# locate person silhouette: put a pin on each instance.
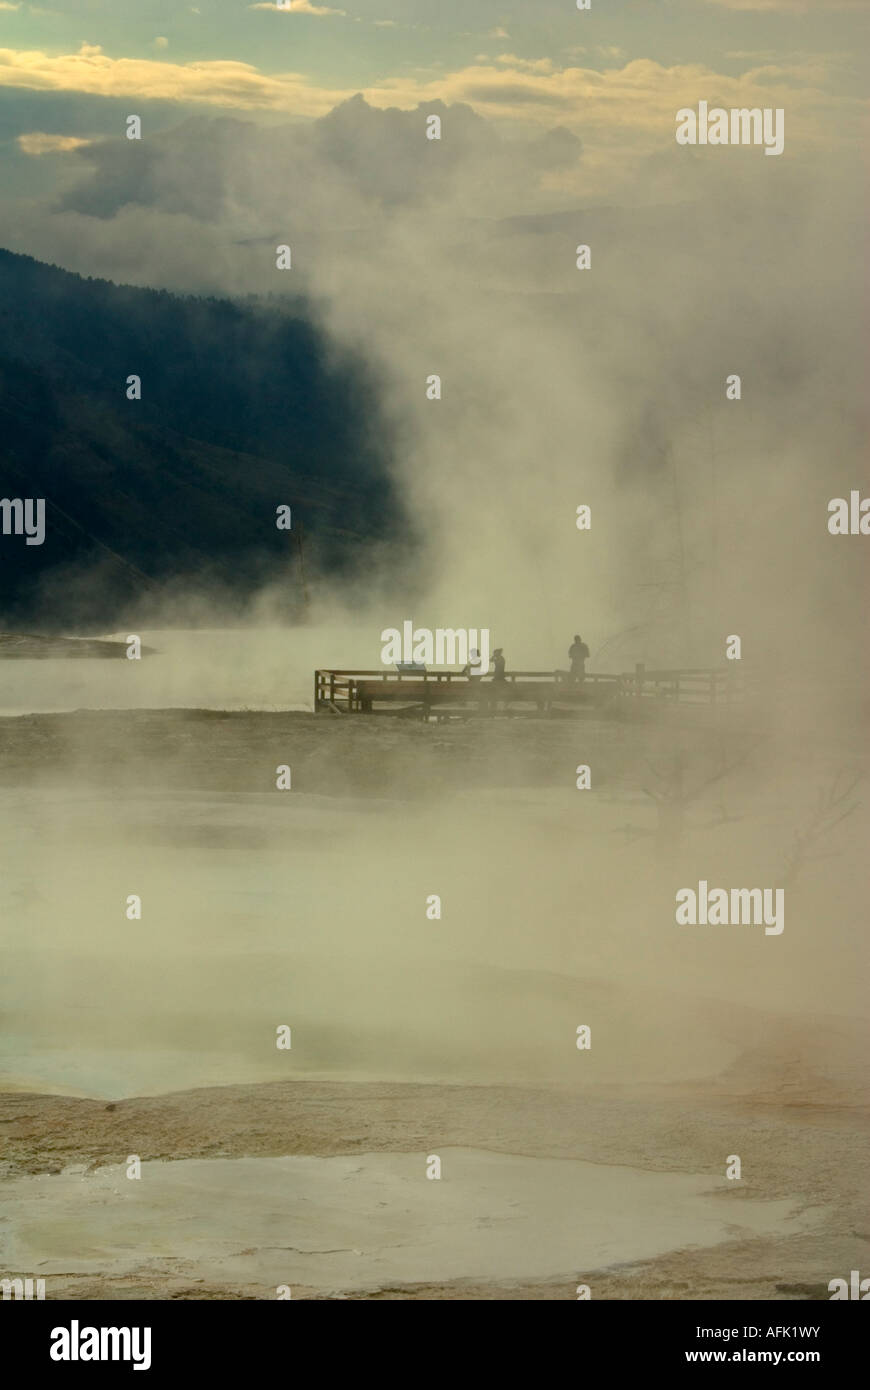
(578, 654)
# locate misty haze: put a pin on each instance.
(374, 321)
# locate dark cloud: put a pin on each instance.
(558, 148)
(357, 157)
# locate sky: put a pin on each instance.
(613, 75)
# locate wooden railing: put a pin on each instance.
(352, 690)
(698, 686)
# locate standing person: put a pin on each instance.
(498, 696)
(578, 655)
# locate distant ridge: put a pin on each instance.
(28, 646)
(245, 407)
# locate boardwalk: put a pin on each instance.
(361, 692)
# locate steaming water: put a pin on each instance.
(308, 911)
(247, 925)
(256, 668)
(235, 941)
(234, 668)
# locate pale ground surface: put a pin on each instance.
(623, 1191)
(348, 1225)
(413, 1036)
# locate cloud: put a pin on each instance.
(223, 82)
(539, 65)
(355, 156)
(5, 5)
(161, 42)
(37, 142)
(628, 109)
(556, 149)
(297, 7)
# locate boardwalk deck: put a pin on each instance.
(359, 692)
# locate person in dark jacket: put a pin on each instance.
(578, 655)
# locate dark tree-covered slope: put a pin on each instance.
(244, 407)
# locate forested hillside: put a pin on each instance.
(244, 407)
